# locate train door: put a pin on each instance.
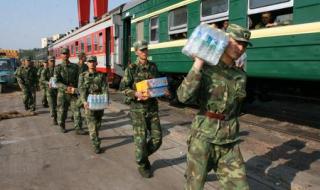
(108, 49)
(126, 41)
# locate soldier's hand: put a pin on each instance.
(167, 93)
(86, 105)
(198, 63)
(141, 96)
(70, 90)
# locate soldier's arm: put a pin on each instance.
(126, 84)
(43, 79)
(82, 89)
(189, 89)
(59, 79)
(19, 79)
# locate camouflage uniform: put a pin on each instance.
(27, 80)
(77, 111)
(44, 99)
(144, 114)
(67, 75)
(52, 93)
(93, 83)
(213, 142)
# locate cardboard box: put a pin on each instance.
(157, 92)
(151, 83)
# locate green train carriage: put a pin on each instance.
(290, 51)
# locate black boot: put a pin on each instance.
(63, 128)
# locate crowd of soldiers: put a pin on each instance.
(74, 83)
(213, 141)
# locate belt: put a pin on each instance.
(213, 115)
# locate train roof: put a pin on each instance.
(132, 4)
(104, 18)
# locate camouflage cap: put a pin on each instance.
(239, 33)
(51, 58)
(140, 45)
(65, 51)
(27, 58)
(81, 54)
(92, 59)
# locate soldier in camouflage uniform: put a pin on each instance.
(91, 82)
(52, 93)
(82, 68)
(143, 110)
(214, 135)
(27, 79)
(67, 75)
(42, 86)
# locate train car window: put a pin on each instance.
(100, 41)
(178, 23)
(139, 31)
(82, 45)
(89, 46)
(154, 30)
(272, 13)
(95, 42)
(253, 4)
(214, 10)
(77, 46)
(72, 49)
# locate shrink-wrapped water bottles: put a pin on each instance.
(206, 43)
(98, 101)
(53, 82)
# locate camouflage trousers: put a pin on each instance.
(52, 100)
(147, 135)
(44, 99)
(64, 101)
(29, 98)
(93, 119)
(225, 160)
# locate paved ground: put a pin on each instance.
(35, 155)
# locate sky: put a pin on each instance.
(24, 22)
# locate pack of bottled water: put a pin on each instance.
(53, 82)
(206, 43)
(98, 101)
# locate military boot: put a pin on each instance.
(63, 128)
(97, 150)
(80, 132)
(144, 172)
(54, 121)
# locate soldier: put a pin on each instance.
(43, 87)
(214, 135)
(26, 76)
(91, 82)
(46, 74)
(143, 110)
(82, 68)
(67, 81)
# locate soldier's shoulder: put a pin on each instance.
(153, 64)
(132, 66)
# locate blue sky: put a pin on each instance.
(24, 22)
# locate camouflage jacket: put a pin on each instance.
(67, 75)
(27, 77)
(218, 89)
(45, 76)
(92, 83)
(133, 74)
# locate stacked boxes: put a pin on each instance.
(153, 87)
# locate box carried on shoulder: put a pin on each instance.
(206, 43)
